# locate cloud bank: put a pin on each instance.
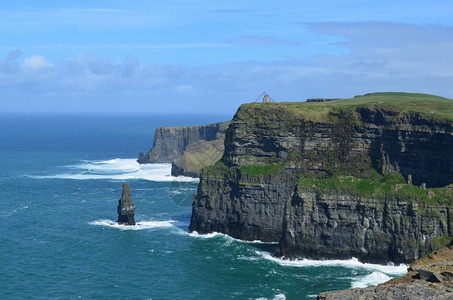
(377, 56)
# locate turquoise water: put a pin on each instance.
(60, 181)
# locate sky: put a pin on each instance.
(210, 56)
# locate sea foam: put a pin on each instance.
(119, 169)
(226, 236)
(374, 278)
(139, 226)
(380, 273)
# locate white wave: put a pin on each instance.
(352, 263)
(215, 234)
(276, 297)
(139, 226)
(374, 278)
(208, 235)
(119, 169)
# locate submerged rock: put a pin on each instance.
(126, 208)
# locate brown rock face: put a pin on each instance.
(126, 208)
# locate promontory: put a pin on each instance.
(367, 177)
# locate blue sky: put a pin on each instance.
(210, 56)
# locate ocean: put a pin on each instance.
(60, 182)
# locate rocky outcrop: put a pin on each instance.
(188, 148)
(277, 180)
(428, 278)
(126, 208)
(415, 290)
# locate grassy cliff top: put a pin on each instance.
(434, 106)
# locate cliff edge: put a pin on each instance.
(367, 177)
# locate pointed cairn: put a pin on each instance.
(126, 207)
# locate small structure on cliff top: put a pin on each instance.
(265, 98)
(126, 208)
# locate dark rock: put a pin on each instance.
(424, 274)
(336, 223)
(126, 208)
(142, 159)
(447, 276)
(435, 277)
(413, 285)
(416, 290)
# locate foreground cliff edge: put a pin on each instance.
(428, 278)
(368, 177)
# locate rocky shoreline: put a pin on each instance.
(427, 278)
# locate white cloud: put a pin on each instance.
(36, 62)
(379, 57)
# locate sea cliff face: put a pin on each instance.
(188, 148)
(336, 224)
(334, 180)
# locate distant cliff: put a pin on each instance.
(187, 148)
(365, 177)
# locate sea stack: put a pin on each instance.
(126, 207)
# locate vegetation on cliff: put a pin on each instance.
(377, 186)
(368, 177)
(430, 105)
(189, 149)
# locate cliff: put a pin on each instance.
(188, 148)
(427, 278)
(365, 177)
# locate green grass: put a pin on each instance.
(435, 106)
(259, 170)
(441, 241)
(217, 170)
(391, 185)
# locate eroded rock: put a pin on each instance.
(126, 208)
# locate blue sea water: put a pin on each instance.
(60, 181)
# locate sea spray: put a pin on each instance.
(118, 169)
(142, 225)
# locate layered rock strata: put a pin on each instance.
(339, 224)
(126, 208)
(188, 148)
(261, 187)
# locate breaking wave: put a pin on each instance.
(226, 236)
(139, 226)
(118, 169)
(374, 278)
(380, 273)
